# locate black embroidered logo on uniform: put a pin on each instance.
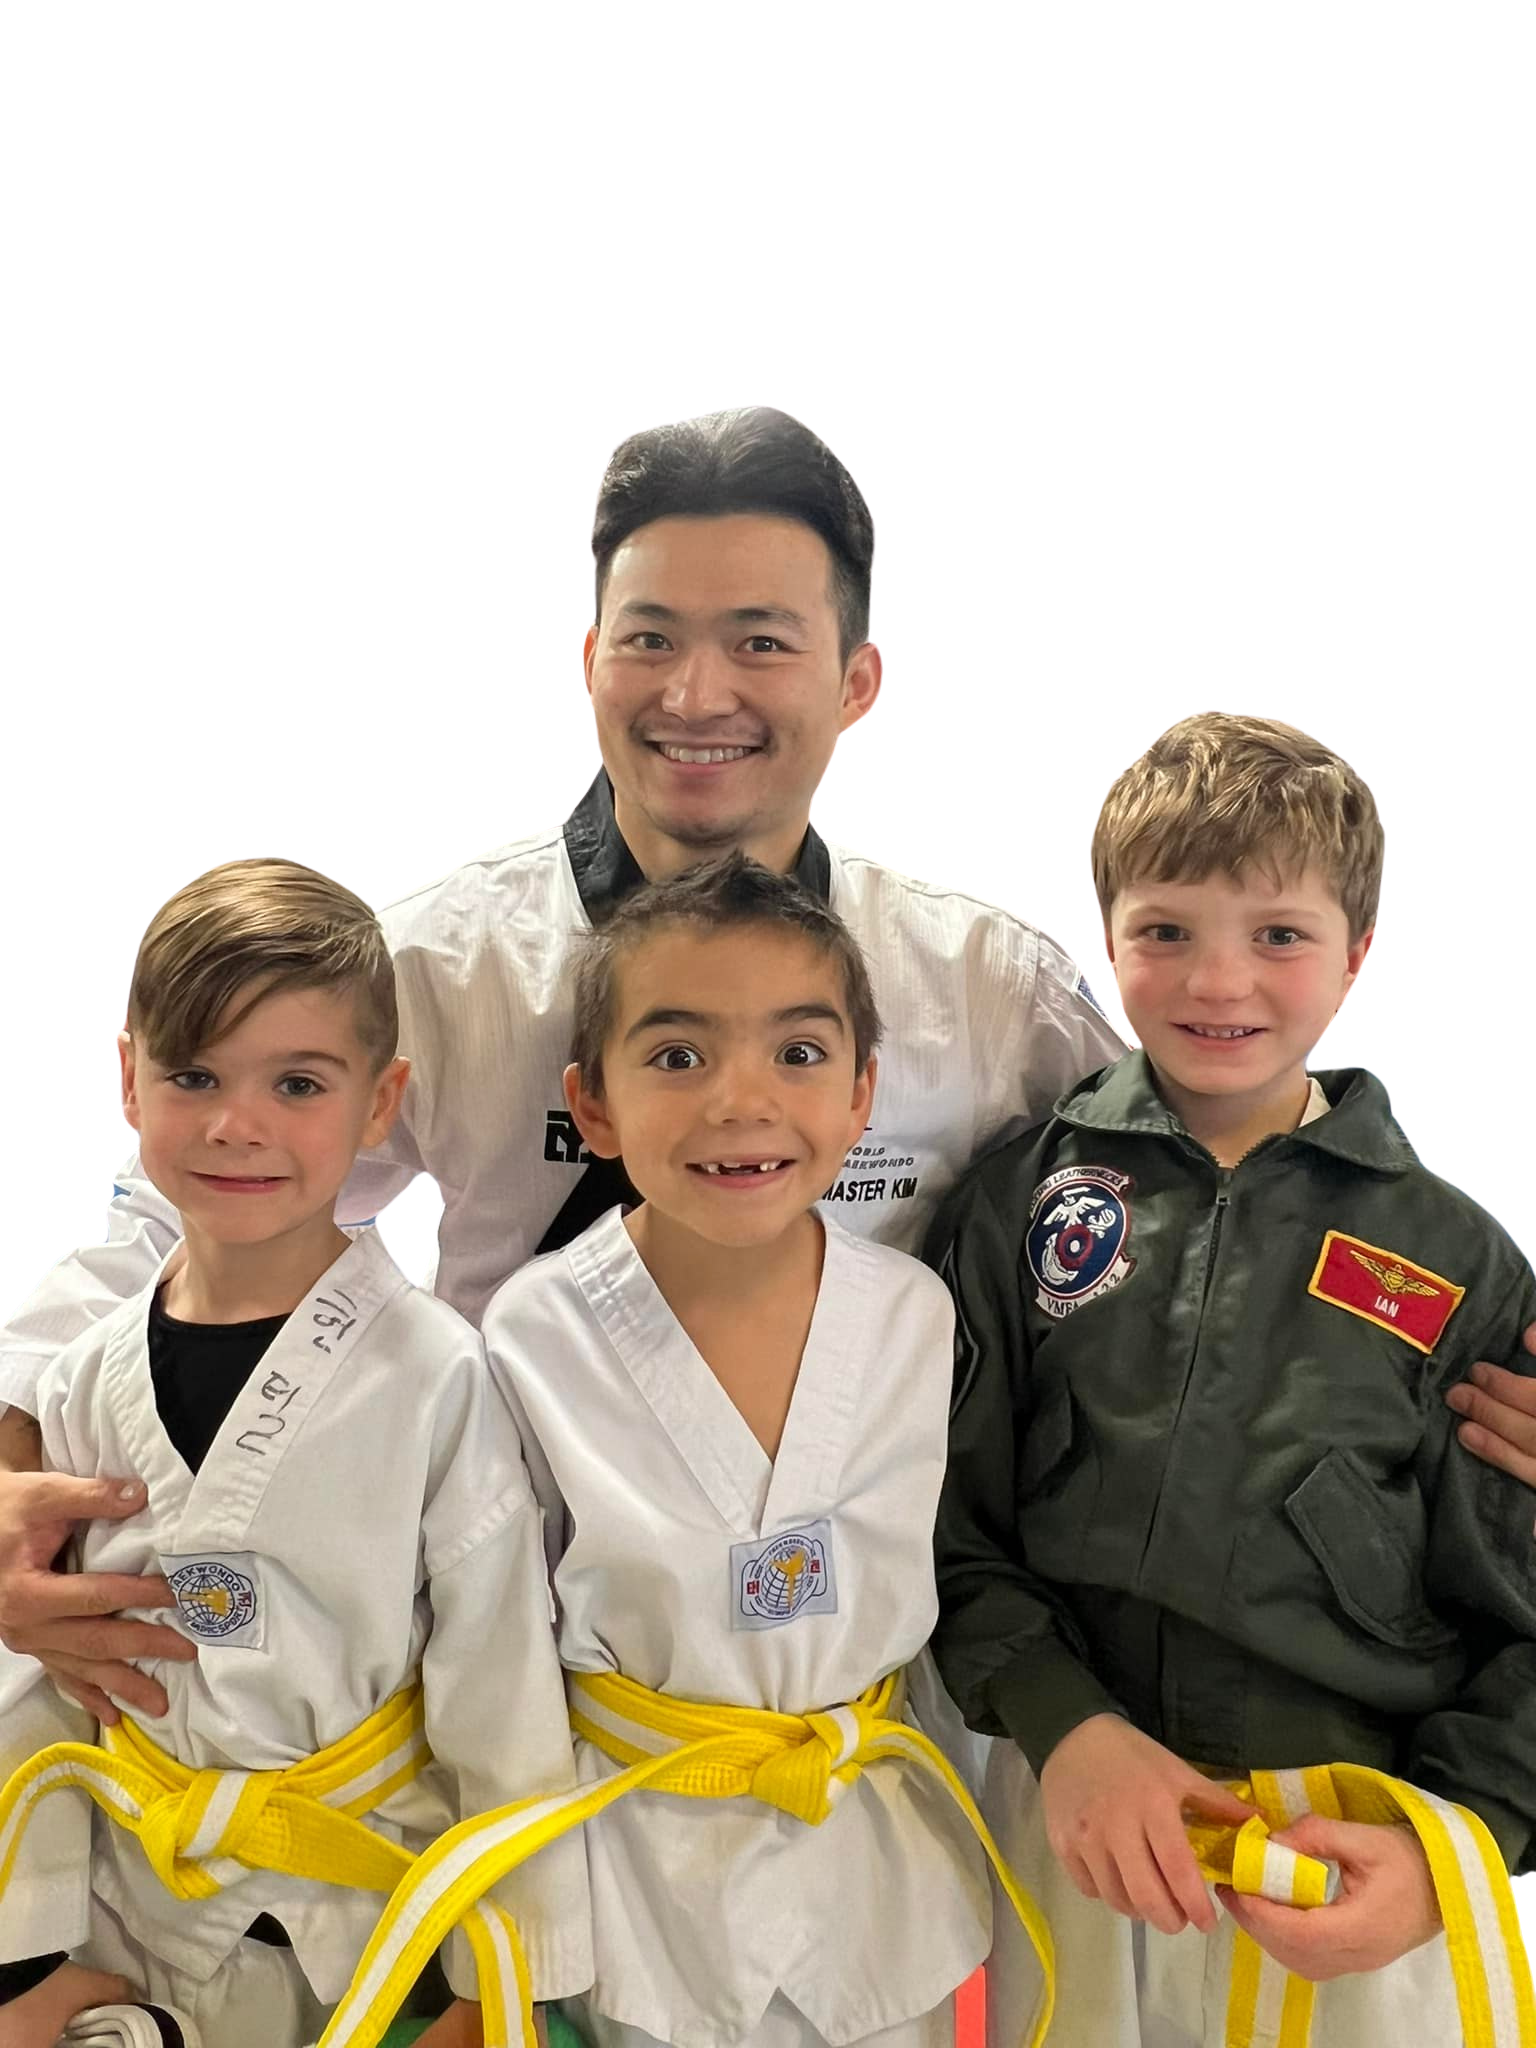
(562, 1140)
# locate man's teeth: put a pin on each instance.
(696, 756)
(743, 1166)
(1222, 1031)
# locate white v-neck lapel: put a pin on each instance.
(215, 1507)
(749, 1490)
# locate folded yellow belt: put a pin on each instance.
(800, 1764)
(1492, 1975)
(202, 1829)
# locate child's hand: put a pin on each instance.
(458, 2027)
(1386, 1906)
(1114, 1803)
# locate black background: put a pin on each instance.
(349, 631)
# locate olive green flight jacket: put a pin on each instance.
(1201, 1473)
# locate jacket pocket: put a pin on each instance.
(1368, 1536)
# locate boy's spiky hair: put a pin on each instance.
(718, 895)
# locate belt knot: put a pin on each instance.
(216, 1813)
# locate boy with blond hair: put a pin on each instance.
(337, 1500)
(1205, 1517)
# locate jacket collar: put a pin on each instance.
(606, 871)
(1359, 1126)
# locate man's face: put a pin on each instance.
(252, 1140)
(730, 1084)
(1230, 984)
(719, 688)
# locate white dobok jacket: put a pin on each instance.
(363, 1515)
(987, 1022)
(665, 1519)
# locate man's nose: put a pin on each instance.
(700, 685)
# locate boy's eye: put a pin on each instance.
(298, 1086)
(802, 1052)
(1166, 934)
(675, 1059)
(191, 1079)
(1280, 935)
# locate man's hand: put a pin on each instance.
(1500, 1408)
(1114, 1805)
(65, 1619)
(1386, 1907)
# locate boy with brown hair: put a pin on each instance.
(337, 1499)
(1205, 1516)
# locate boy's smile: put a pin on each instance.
(729, 1083)
(1229, 985)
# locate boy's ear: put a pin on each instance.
(1109, 942)
(863, 1099)
(387, 1092)
(1354, 960)
(129, 1067)
(591, 1113)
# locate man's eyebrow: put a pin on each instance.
(740, 615)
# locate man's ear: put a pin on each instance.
(387, 1092)
(588, 651)
(128, 1063)
(861, 684)
(597, 1129)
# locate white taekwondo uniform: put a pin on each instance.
(987, 1022)
(665, 1519)
(363, 1515)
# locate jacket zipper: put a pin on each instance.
(1218, 1215)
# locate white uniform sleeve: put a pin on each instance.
(142, 1226)
(47, 1904)
(495, 1694)
(1043, 1032)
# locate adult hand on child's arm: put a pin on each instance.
(1500, 1411)
(1386, 1905)
(1114, 1804)
(68, 1620)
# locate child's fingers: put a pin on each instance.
(1319, 1943)
(1151, 1897)
(1180, 1872)
(1205, 1796)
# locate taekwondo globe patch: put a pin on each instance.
(1079, 1222)
(778, 1578)
(218, 1597)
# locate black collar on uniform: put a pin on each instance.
(606, 871)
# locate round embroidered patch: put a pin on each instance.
(1079, 1222)
(213, 1600)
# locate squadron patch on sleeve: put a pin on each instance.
(779, 1578)
(1079, 1223)
(1385, 1289)
(218, 1597)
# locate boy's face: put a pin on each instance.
(253, 1139)
(1230, 984)
(729, 1082)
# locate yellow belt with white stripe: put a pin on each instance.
(800, 1764)
(1266, 2003)
(202, 1829)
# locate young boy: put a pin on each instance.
(336, 1497)
(1205, 1516)
(734, 1413)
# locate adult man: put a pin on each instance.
(729, 652)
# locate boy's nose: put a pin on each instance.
(1220, 974)
(234, 1123)
(743, 1096)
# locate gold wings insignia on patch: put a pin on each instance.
(1392, 1278)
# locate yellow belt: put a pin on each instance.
(799, 1764)
(1266, 2003)
(202, 1829)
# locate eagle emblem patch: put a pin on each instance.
(1385, 1289)
(1079, 1222)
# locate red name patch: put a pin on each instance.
(1385, 1288)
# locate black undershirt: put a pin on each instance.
(197, 1369)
